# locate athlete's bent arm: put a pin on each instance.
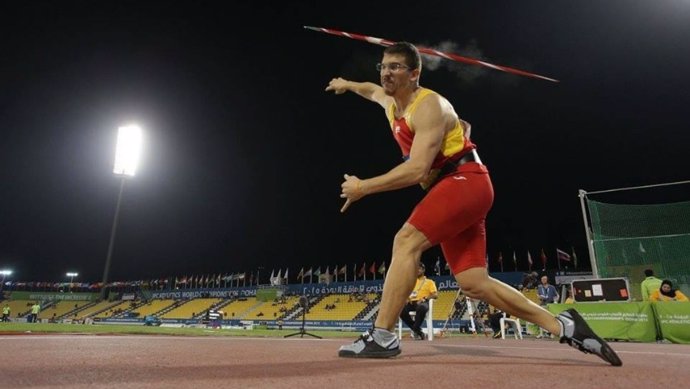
(430, 121)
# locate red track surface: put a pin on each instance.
(88, 361)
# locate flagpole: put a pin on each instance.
(558, 258)
(588, 233)
(572, 248)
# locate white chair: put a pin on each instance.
(429, 322)
(517, 328)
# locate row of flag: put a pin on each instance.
(361, 272)
(340, 273)
(561, 256)
(335, 274)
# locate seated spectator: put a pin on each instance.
(667, 293)
(569, 297)
(418, 301)
(530, 281)
(495, 322)
(546, 292)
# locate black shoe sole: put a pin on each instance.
(380, 354)
(607, 353)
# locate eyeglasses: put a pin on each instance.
(393, 67)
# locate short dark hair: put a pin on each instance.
(421, 264)
(407, 50)
(648, 272)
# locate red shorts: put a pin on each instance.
(453, 214)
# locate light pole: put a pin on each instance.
(4, 273)
(71, 276)
(126, 161)
(258, 272)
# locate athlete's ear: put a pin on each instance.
(415, 75)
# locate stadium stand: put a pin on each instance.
(113, 310)
(191, 308)
(59, 308)
(343, 308)
(444, 304)
(91, 310)
(240, 307)
(152, 307)
(271, 310)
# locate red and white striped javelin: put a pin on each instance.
(451, 56)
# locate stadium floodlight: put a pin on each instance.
(71, 276)
(128, 150)
(4, 273)
(129, 142)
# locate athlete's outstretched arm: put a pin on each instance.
(368, 90)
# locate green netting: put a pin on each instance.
(631, 238)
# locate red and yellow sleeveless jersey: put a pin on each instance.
(455, 143)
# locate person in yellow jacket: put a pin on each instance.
(6, 312)
(424, 289)
(667, 293)
(649, 284)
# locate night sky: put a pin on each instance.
(244, 151)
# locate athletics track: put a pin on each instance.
(126, 361)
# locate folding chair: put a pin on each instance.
(517, 328)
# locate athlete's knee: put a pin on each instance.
(408, 240)
(475, 287)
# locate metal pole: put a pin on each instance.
(112, 239)
(590, 243)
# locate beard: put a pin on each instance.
(388, 86)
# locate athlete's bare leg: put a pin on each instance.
(477, 284)
(408, 246)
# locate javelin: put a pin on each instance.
(451, 56)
